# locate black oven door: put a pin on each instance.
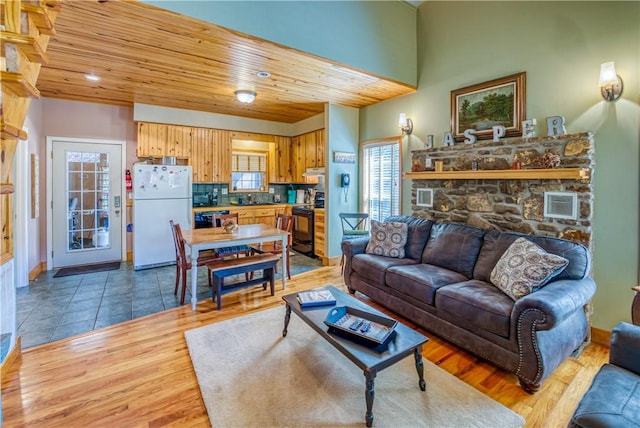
(303, 231)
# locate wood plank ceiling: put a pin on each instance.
(148, 55)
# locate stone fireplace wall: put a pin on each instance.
(508, 204)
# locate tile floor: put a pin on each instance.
(51, 308)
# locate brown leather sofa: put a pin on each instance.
(443, 284)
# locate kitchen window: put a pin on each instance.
(381, 178)
(248, 171)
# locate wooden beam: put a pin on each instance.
(17, 83)
(28, 45)
(10, 131)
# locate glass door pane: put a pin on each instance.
(88, 193)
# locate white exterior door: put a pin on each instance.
(87, 204)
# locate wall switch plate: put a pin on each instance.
(224, 191)
(272, 190)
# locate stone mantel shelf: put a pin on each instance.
(504, 174)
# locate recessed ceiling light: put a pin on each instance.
(263, 74)
(92, 77)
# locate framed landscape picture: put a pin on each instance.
(485, 105)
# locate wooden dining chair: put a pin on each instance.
(184, 262)
(283, 222)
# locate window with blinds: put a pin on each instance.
(381, 179)
(248, 171)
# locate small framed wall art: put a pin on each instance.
(482, 106)
(344, 157)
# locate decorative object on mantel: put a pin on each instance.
(476, 109)
(610, 83)
(549, 160)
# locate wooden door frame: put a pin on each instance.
(49, 208)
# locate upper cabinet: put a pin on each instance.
(211, 155)
(280, 161)
(209, 151)
(159, 139)
(307, 151)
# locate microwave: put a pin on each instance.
(202, 199)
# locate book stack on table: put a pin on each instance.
(316, 297)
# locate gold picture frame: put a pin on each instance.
(484, 105)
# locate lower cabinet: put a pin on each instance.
(318, 233)
(258, 215)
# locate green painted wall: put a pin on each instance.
(341, 134)
(561, 46)
(376, 36)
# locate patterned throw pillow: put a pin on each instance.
(524, 268)
(387, 239)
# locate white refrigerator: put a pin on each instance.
(160, 193)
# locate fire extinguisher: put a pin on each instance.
(127, 180)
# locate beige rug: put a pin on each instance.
(250, 376)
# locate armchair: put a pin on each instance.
(613, 399)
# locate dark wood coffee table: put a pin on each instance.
(403, 343)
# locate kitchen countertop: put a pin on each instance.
(246, 206)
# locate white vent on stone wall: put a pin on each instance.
(561, 205)
(424, 197)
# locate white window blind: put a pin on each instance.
(381, 166)
(245, 162)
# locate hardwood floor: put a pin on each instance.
(139, 373)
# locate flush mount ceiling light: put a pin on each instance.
(92, 77)
(610, 83)
(245, 96)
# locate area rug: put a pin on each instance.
(251, 376)
(79, 270)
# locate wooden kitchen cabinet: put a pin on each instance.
(280, 164)
(211, 155)
(318, 233)
(151, 139)
(160, 139)
(307, 151)
(259, 214)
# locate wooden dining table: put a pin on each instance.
(217, 237)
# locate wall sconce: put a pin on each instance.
(406, 124)
(245, 96)
(610, 83)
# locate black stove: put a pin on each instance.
(303, 230)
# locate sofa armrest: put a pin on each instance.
(625, 347)
(556, 301)
(351, 247)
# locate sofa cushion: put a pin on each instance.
(496, 243)
(454, 247)
(387, 239)
(613, 400)
(524, 268)
(417, 234)
(373, 269)
(477, 303)
(421, 281)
